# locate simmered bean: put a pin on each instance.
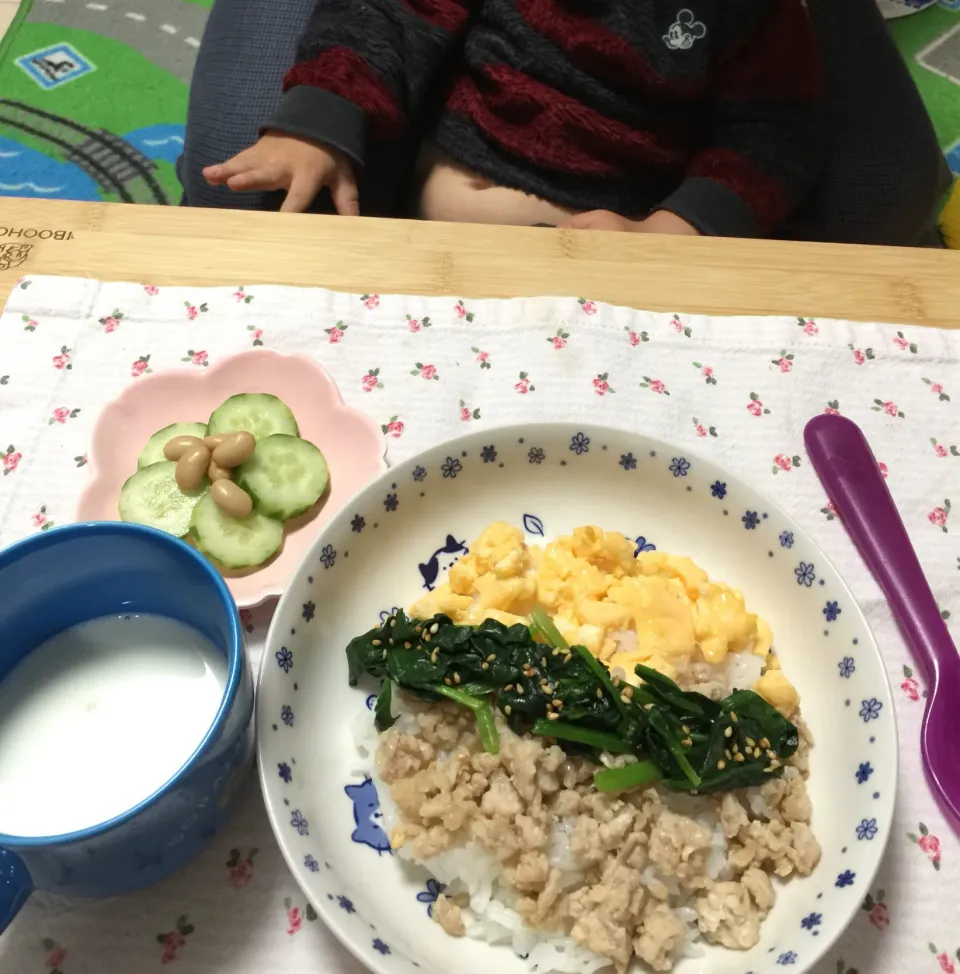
(216, 472)
(175, 448)
(231, 499)
(214, 441)
(192, 467)
(235, 449)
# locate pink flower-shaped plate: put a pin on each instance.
(351, 442)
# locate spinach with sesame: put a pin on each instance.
(542, 686)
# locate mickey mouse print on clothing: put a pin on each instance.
(684, 31)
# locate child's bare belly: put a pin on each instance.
(448, 192)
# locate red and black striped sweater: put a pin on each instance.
(708, 108)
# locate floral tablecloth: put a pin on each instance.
(739, 389)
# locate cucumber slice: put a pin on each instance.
(151, 496)
(234, 542)
(153, 451)
(285, 476)
(255, 412)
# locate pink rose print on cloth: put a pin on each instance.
(944, 959)
(887, 407)
(80, 461)
(911, 686)
(466, 413)
(62, 361)
(588, 307)
(460, 310)
(241, 295)
(832, 408)
(246, 620)
(939, 516)
(141, 366)
(903, 344)
(482, 357)
(295, 916)
(112, 321)
(393, 427)
(196, 358)
(23, 283)
(370, 301)
(416, 325)
(928, 844)
(40, 519)
(10, 460)
(336, 333)
(601, 384)
(241, 867)
(654, 385)
(707, 372)
(782, 462)
(756, 407)
(937, 389)
(785, 362)
(425, 371)
(56, 955)
(941, 450)
(679, 327)
(62, 414)
(174, 940)
(702, 430)
(194, 310)
(635, 338)
(884, 469)
(559, 340)
(524, 385)
(151, 289)
(808, 326)
(30, 324)
(861, 355)
(876, 910)
(256, 334)
(830, 512)
(371, 380)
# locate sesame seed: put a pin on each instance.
(384, 654)
(456, 678)
(508, 687)
(557, 652)
(721, 764)
(774, 763)
(687, 742)
(628, 692)
(616, 681)
(508, 710)
(756, 752)
(426, 637)
(750, 742)
(558, 704)
(736, 748)
(733, 716)
(686, 729)
(484, 666)
(624, 698)
(519, 690)
(764, 742)
(406, 646)
(738, 757)
(771, 753)
(599, 693)
(491, 657)
(446, 680)
(553, 716)
(568, 657)
(548, 690)
(649, 706)
(377, 642)
(393, 623)
(727, 754)
(728, 732)
(767, 770)
(543, 660)
(434, 628)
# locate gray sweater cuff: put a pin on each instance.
(712, 208)
(317, 115)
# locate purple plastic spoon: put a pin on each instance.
(848, 471)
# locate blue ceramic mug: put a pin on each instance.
(60, 578)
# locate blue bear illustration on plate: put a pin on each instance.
(367, 815)
(430, 571)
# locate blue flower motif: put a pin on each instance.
(786, 958)
(831, 610)
(299, 822)
(390, 502)
(328, 556)
(284, 659)
(418, 474)
(805, 574)
(580, 444)
(786, 539)
(846, 666)
(346, 905)
(718, 489)
(286, 715)
(286, 775)
(811, 921)
(864, 772)
(450, 468)
(643, 545)
(311, 864)
(750, 520)
(845, 879)
(536, 455)
(357, 524)
(867, 829)
(371, 701)
(431, 894)
(628, 461)
(381, 947)
(387, 613)
(488, 454)
(679, 466)
(870, 709)
(309, 608)
(532, 524)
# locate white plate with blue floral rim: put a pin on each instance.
(403, 532)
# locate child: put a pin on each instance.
(672, 116)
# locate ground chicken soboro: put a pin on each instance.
(631, 860)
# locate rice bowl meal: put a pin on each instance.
(593, 750)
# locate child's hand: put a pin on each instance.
(662, 221)
(300, 167)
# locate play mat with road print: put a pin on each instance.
(93, 93)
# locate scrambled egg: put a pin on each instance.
(657, 609)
